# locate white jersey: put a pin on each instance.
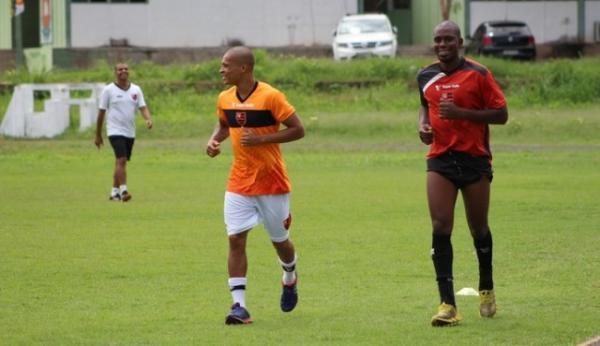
(120, 106)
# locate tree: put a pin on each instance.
(445, 8)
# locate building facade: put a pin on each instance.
(270, 23)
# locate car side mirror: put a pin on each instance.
(395, 29)
(334, 33)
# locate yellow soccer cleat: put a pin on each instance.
(487, 303)
(447, 315)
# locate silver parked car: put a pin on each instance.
(364, 35)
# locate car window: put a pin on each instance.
(479, 33)
(506, 29)
(363, 26)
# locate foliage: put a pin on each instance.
(182, 97)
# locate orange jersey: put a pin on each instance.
(256, 170)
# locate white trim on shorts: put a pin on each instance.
(242, 213)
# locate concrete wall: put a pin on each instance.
(592, 14)
(548, 20)
(5, 24)
(7, 60)
(208, 23)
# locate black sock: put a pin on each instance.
(441, 254)
(484, 247)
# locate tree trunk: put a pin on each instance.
(445, 6)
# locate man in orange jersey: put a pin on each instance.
(258, 190)
(459, 99)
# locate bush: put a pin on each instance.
(323, 85)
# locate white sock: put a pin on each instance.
(123, 188)
(289, 271)
(114, 191)
(237, 286)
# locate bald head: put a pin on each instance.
(447, 43)
(448, 25)
(241, 55)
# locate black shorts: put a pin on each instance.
(122, 146)
(460, 168)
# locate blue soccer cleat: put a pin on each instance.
(289, 297)
(238, 315)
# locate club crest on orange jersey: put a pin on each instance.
(241, 118)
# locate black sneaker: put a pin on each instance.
(238, 315)
(114, 198)
(125, 196)
(289, 297)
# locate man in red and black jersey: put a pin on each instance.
(459, 99)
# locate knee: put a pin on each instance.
(479, 232)
(121, 161)
(441, 226)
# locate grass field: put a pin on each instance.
(77, 269)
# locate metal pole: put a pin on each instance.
(467, 19)
(68, 22)
(581, 21)
(19, 59)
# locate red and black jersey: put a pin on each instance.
(471, 86)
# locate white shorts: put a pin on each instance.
(245, 212)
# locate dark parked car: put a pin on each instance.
(509, 39)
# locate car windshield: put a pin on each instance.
(508, 29)
(363, 26)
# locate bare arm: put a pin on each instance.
(220, 133)
(425, 131)
(98, 141)
(294, 130)
(448, 110)
(147, 117)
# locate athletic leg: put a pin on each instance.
(237, 262)
(287, 258)
(237, 265)
(120, 173)
(476, 198)
(441, 197)
(120, 176)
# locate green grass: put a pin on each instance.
(170, 91)
(77, 269)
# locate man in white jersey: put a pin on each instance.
(121, 99)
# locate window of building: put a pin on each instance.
(401, 4)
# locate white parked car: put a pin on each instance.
(364, 35)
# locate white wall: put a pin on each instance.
(548, 20)
(592, 14)
(208, 23)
